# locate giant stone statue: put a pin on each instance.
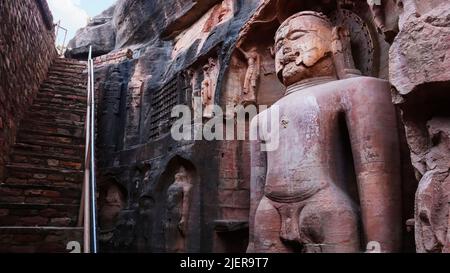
(300, 200)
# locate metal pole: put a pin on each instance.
(86, 189)
(93, 177)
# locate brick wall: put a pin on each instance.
(26, 52)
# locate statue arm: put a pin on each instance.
(372, 124)
(258, 163)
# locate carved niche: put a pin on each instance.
(202, 79)
(112, 201)
(112, 98)
(209, 85)
(177, 211)
(133, 106)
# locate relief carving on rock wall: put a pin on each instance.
(112, 96)
(312, 209)
(251, 76)
(419, 71)
(177, 211)
(209, 86)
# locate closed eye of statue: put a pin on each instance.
(296, 34)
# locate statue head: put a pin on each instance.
(114, 195)
(303, 42)
(181, 175)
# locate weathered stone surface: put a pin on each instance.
(421, 51)
(419, 71)
(100, 33)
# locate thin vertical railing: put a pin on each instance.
(88, 212)
(60, 47)
(93, 169)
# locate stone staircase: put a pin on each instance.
(40, 196)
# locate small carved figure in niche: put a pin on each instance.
(177, 213)
(208, 87)
(192, 75)
(342, 50)
(252, 75)
(378, 11)
(300, 199)
(113, 204)
(378, 15)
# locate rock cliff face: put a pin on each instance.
(100, 33)
(419, 71)
(154, 54)
(132, 22)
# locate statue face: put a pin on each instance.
(300, 43)
(113, 196)
(181, 175)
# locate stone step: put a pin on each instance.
(46, 180)
(63, 89)
(61, 116)
(71, 62)
(30, 171)
(53, 127)
(48, 147)
(72, 68)
(38, 194)
(51, 95)
(64, 123)
(62, 99)
(72, 163)
(17, 239)
(66, 80)
(60, 215)
(52, 130)
(60, 103)
(69, 87)
(65, 92)
(69, 71)
(47, 155)
(64, 66)
(32, 137)
(60, 109)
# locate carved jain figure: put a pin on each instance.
(252, 75)
(299, 192)
(177, 213)
(112, 205)
(208, 87)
